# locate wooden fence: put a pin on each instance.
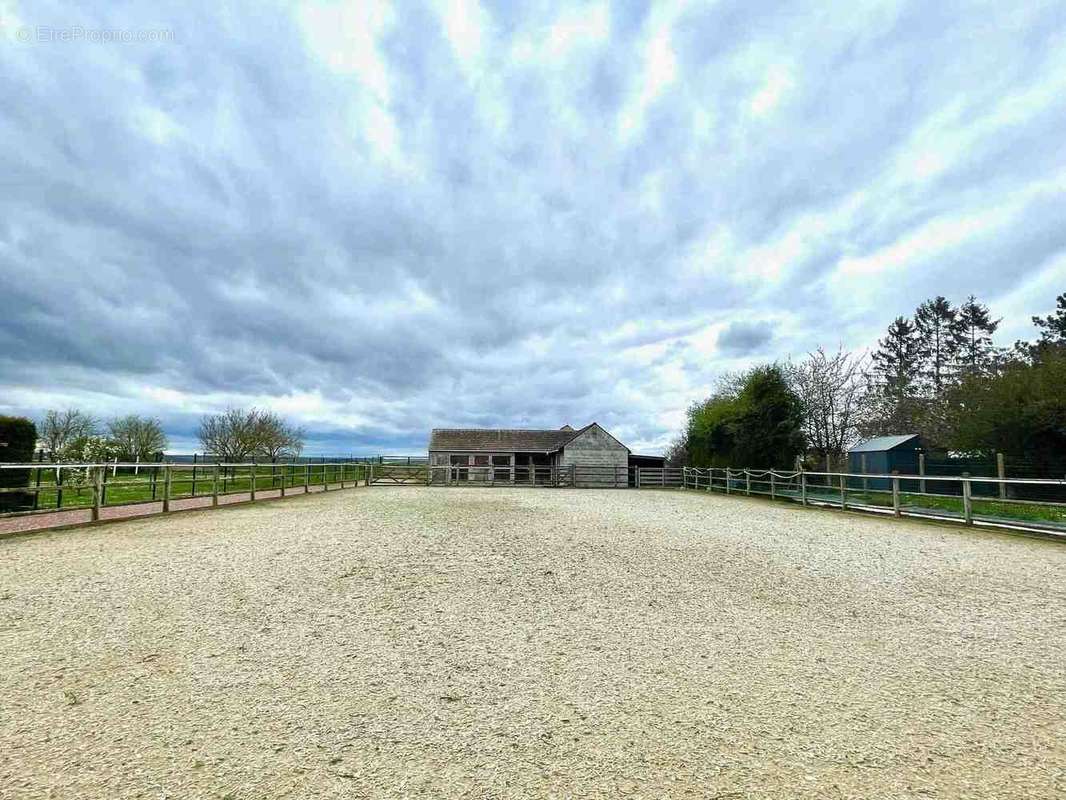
(65, 487)
(941, 497)
(581, 476)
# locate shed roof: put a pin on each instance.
(882, 443)
(500, 439)
(505, 439)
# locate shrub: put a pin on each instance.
(18, 438)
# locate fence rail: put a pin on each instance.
(1003, 502)
(51, 488)
(555, 475)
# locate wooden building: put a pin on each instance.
(588, 456)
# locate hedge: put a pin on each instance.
(18, 439)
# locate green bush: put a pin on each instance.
(18, 438)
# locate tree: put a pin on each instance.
(976, 352)
(754, 420)
(709, 435)
(832, 389)
(137, 438)
(768, 431)
(939, 333)
(897, 360)
(59, 429)
(1020, 410)
(677, 451)
(238, 433)
(892, 398)
(1053, 326)
(276, 438)
(232, 435)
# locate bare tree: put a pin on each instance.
(232, 435)
(276, 438)
(677, 451)
(137, 438)
(833, 391)
(60, 429)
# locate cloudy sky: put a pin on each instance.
(376, 219)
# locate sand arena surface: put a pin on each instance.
(527, 643)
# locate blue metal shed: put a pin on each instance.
(884, 455)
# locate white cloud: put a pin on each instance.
(376, 219)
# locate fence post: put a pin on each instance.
(636, 480)
(368, 472)
(307, 477)
(214, 486)
(803, 487)
(728, 480)
(773, 486)
(1001, 471)
(253, 481)
(747, 478)
(967, 503)
(343, 466)
(862, 469)
(895, 493)
(921, 471)
(843, 492)
(98, 491)
(325, 477)
(103, 487)
(166, 488)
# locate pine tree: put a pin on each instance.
(1053, 326)
(977, 354)
(940, 336)
(892, 401)
(897, 360)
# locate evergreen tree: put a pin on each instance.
(1053, 326)
(892, 401)
(977, 354)
(897, 360)
(940, 337)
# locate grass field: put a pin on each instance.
(522, 643)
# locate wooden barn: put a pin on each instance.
(588, 456)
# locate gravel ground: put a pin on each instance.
(516, 643)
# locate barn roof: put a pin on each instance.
(882, 443)
(503, 439)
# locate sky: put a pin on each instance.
(376, 219)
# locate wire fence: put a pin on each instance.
(1006, 502)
